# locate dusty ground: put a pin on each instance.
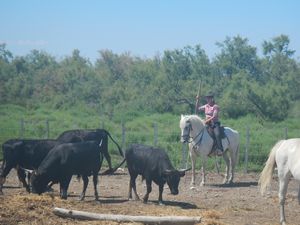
(216, 204)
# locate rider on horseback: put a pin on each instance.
(211, 110)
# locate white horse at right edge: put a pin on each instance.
(286, 155)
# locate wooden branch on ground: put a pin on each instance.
(164, 220)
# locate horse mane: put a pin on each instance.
(192, 118)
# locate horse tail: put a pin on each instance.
(265, 177)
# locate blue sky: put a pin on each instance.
(143, 27)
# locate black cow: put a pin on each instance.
(72, 136)
(65, 160)
(154, 165)
(21, 154)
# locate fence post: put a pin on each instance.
(285, 133)
(247, 149)
(155, 133)
(22, 128)
(123, 135)
(47, 129)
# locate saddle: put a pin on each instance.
(210, 131)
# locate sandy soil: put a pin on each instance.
(216, 204)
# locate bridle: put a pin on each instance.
(187, 136)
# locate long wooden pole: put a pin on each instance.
(164, 220)
(198, 94)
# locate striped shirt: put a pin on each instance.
(211, 111)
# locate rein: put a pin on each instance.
(198, 142)
(193, 139)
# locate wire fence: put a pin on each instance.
(253, 150)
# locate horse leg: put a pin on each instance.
(203, 179)
(233, 160)
(299, 194)
(284, 177)
(228, 168)
(193, 160)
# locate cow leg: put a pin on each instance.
(149, 189)
(2, 181)
(108, 159)
(132, 185)
(85, 184)
(161, 189)
(64, 185)
(95, 182)
(5, 169)
(22, 178)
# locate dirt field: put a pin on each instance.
(216, 204)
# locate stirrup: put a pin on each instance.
(219, 152)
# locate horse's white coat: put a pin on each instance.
(286, 155)
(193, 128)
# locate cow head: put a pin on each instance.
(173, 177)
(38, 183)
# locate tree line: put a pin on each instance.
(243, 81)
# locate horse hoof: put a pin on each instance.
(230, 183)
(225, 182)
(192, 187)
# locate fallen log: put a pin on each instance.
(164, 220)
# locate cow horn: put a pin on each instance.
(168, 172)
(27, 170)
(100, 143)
(184, 170)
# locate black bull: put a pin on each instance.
(65, 160)
(72, 136)
(154, 165)
(30, 153)
(21, 154)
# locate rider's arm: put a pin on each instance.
(215, 114)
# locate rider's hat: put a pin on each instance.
(209, 94)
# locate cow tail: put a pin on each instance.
(119, 148)
(114, 169)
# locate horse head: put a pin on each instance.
(189, 123)
(185, 126)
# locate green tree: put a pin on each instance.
(237, 55)
(278, 45)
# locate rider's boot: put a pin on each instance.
(219, 150)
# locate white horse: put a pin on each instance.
(194, 132)
(286, 155)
